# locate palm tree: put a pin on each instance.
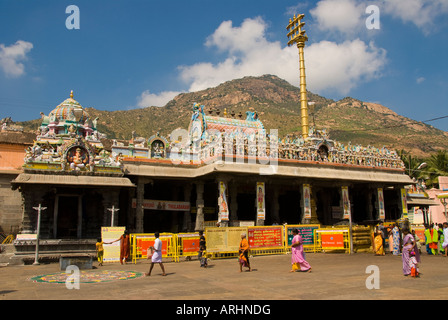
(412, 164)
(437, 166)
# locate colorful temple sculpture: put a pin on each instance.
(68, 141)
(70, 171)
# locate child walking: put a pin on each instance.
(100, 251)
(414, 265)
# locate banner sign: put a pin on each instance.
(224, 239)
(189, 241)
(306, 201)
(143, 243)
(265, 237)
(222, 202)
(382, 214)
(404, 202)
(261, 210)
(345, 203)
(305, 231)
(111, 251)
(332, 239)
(163, 205)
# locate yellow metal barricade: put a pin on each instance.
(224, 242)
(333, 239)
(141, 242)
(9, 239)
(187, 245)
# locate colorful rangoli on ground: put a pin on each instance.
(88, 276)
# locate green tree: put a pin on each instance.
(437, 166)
(412, 164)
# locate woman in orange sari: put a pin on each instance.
(125, 247)
(378, 245)
(244, 253)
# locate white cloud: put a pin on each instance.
(341, 67)
(248, 51)
(420, 80)
(345, 16)
(11, 56)
(148, 99)
(329, 66)
(422, 13)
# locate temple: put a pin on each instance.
(69, 170)
(225, 169)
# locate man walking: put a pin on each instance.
(157, 255)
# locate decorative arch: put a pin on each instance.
(157, 147)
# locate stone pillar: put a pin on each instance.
(259, 222)
(314, 219)
(187, 215)
(139, 210)
(233, 203)
(130, 210)
(223, 203)
(199, 226)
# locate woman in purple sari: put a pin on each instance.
(297, 256)
(408, 246)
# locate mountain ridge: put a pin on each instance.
(277, 103)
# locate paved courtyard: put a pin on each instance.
(333, 277)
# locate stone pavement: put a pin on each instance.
(334, 276)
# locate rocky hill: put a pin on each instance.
(277, 104)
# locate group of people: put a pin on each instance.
(406, 243)
(402, 242)
(298, 261)
(437, 239)
(125, 249)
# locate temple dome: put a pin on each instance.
(69, 110)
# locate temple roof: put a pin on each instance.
(69, 110)
(222, 123)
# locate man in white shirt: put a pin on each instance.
(157, 255)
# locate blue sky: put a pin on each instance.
(136, 53)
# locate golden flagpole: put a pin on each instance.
(298, 36)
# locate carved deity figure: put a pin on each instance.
(78, 160)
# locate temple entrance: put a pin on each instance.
(246, 206)
(67, 217)
(361, 203)
(289, 205)
(162, 221)
(327, 205)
